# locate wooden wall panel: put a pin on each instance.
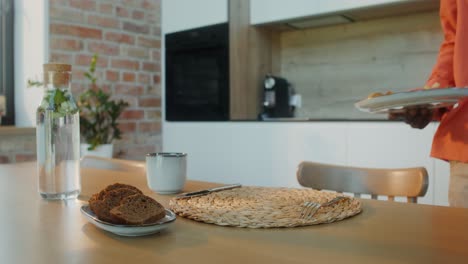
(333, 67)
(251, 50)
(238, 47)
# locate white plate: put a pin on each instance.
(129, 230)
(433, 98)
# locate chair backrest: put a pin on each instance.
(407, 182)
(112, 164)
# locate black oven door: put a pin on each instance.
(197, 76)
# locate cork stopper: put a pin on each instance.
(57, 73)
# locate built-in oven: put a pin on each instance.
(197, 74)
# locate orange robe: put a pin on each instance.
(451, 70)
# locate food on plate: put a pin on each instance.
(119, 186)
(100, 195)
(110, 199)
(140, 209)
(378, 94)
(374, 95)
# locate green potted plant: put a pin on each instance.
(98, 117)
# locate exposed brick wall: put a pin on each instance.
(18, 145)
(127, 36)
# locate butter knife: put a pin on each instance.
(207, 191)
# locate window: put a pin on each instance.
(6, 63)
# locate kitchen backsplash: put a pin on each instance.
(333, 67)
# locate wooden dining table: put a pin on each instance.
(34, 230)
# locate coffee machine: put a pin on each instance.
(277, 94)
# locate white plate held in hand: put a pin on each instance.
(432, 98)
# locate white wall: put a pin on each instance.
(31, 47)
(179, 15)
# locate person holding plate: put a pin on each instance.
(450, 141)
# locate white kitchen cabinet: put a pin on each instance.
(178, 15)
(270, 11)
(333, 6)
(267, 154)
(254, 153)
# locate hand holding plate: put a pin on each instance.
(415, 116)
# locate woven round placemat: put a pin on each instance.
(263, 207)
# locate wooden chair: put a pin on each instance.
(407, 182)
(112, 164)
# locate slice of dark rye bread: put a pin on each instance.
(115, 186)
(113, 195)
(138, 209)
(110, 199)
(100, 195)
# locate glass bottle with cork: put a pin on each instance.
(58, 136)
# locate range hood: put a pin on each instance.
(364, 13)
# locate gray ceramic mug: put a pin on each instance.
(166, 172)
